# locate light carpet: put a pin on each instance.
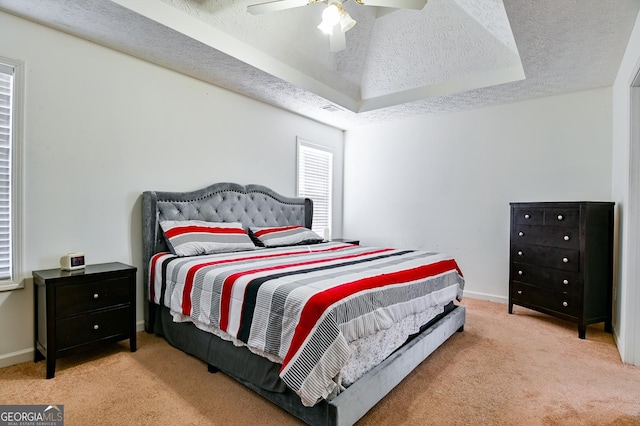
(521, 369)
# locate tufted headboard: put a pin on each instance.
(251, 205)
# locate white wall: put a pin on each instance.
(445, 182)
(626, 193)
(101, 127)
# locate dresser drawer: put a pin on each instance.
(562, 216)
(548, 257)
(528, 216)
(550, 236)
(548, 216)
(537, 297)
(84, 329)
(78, 298)
(552, 279)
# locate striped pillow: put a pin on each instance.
(194, 237)
(285, 236)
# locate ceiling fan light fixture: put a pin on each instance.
(346, 21)
(333, 15)
(325, 28)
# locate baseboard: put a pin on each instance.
(619, 343)
(18, 357)
(485, 296)
(13, 358)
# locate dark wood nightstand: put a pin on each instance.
(346, 240)
(82, 309)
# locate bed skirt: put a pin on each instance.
(262, 375)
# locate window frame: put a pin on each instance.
(17, 172)
(302, 142)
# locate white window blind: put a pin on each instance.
(315, 172)
(6, 120)
(11, 121)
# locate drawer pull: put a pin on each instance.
(565, 304)
(96, 295)
(565, 282)
(520, 253)
(96, 326)
(526, 216)
(519, 272)
(519, 291)
(565, 260)
(567, 238)
(521, 234)
(560, 217)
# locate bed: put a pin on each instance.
(323, 329)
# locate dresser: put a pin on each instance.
(561, 260)
(86, 308)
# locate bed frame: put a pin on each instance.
(257, 205)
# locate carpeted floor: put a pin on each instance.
(521, 369)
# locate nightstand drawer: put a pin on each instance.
(84, 329)
(78, 298)
(346, 240)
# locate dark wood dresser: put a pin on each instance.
(561, 260)
(76, 310)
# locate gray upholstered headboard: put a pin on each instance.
(251, 205)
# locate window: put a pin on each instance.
(315, 171)
(11, 84)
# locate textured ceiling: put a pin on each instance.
(452, 55)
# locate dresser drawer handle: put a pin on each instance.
(567, 238)
(565, 260)
(526, 216)
(560, 217)
(519, 291)
(521, 234)
(565, 304)
(519, 272)
(96, 295)
(565, 282)
(520, 253)
(96, 326)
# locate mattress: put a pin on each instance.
(372, 299)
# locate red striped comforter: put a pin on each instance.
(301, 306)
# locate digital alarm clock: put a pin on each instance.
(72, 261)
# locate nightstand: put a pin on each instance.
(346, 240)
(83, 309)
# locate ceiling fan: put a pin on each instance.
(335, 20)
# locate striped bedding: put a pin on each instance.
(302, 306)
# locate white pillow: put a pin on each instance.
(277, 236)
(195, 237)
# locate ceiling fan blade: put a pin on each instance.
(397, 4)
(274, 6)
(337, 40)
